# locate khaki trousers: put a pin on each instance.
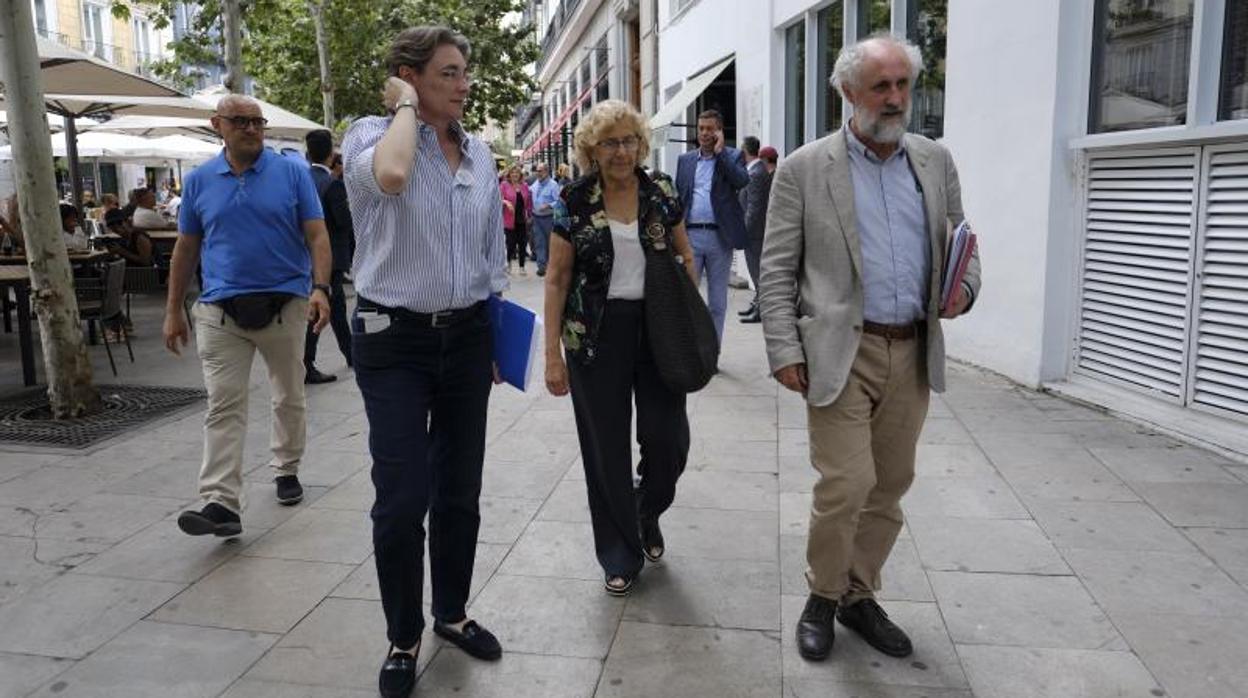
(863, 446)
(226, 351)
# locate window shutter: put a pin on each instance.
(1137, 268)
(1220, 371)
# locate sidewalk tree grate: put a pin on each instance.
(26, 418)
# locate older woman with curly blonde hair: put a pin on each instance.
(594, 293)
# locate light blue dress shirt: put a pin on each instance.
(545, 192)
(438, 244)
(701, 211)
(892, 227)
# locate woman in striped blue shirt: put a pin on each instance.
(429, 252)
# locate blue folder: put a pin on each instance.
(516, 333)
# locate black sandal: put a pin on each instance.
(622, 588)
(651, 540)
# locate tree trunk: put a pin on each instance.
(232, 19)
(70, 391)
(317, 10)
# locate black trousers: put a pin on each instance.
(517, 244)
(337, 320)
(603, 393)
(426, 393)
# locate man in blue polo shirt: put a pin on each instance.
(252, 219)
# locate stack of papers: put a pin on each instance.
(958, 256)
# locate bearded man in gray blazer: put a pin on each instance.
(850, 298)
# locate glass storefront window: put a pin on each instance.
(794, 86)
(873, 17)
(831, 32)
(1233, 95)
(1141, 54)
(926, 27)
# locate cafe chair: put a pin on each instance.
(99, 300)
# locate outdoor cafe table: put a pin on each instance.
(75, 258)
(18, 278)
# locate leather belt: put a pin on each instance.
(907, 331)
(439, 320)
(701, 226)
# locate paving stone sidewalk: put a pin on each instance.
(1050, 550)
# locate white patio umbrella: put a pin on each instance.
(120, 146)
(283, 125)
(76, 85)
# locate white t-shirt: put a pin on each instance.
(628, 272)
(147, 218)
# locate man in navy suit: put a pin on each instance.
(333, 195)
(708, 180)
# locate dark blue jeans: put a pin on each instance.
(426, 392)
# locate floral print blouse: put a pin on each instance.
(581, 219)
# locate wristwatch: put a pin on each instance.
(324, 288)
(405, 103)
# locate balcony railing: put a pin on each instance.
(138, 62)
(558, 21)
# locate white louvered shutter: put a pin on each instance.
(1137, 262)
(1220, 364)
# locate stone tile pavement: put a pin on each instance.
(1050, 551)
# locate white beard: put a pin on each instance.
(882, 131)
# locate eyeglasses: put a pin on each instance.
(242, 122)
(456, 75)
(626, 143)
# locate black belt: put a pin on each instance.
(907, 331)
(440, 319)
(701, 226)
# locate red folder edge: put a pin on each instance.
(956, 289)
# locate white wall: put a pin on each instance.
(1001, 90)
(708, 32)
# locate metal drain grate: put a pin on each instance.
(25, 417)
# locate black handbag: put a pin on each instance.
(682, 334)
(254, 311)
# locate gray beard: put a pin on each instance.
(881, 132)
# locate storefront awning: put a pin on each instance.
(553, 133)
(693, 88)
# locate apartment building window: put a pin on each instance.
(794, 86)
(1141, 58)
(831, 37)
(1233, 92)
(602, 64)
(95, 27)
(142, 41)
(43, 17)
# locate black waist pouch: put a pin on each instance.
(255, 311)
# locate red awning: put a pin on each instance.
(554, 134)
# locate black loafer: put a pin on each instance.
(474, 639)
(872, 624)
(315, 377)
(398, 674)
(816, 629)
(213, 519)
(289, 491)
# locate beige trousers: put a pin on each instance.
(226, 352)
(863, 446)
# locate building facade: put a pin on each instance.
(591, 51)
(1103, 152)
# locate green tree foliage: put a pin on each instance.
(279, 51)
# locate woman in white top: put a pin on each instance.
(594, 293)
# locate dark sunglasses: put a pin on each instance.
(242, 122)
